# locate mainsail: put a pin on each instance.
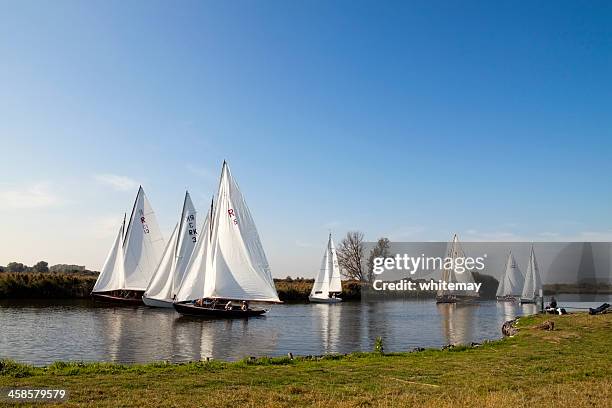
(533, 283)
(192, 284)
(450, 276)
(171, 269)
(239, 268)
(143, 244)
(328, 279)
(160, 286)
(112, 275)
(135, 252)
(229, 261)
(512, 282)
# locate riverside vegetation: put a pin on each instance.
(568, 366)
(79, 285)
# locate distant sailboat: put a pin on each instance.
(230, 264)
(511, 284)
(133, 257)
(450, 276)
(327, 283)
(533, 282)
(171, 269)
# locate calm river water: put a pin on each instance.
(40, 333)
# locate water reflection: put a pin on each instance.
(77, 331)
(458, 322)
(198, 339)
(328, 325)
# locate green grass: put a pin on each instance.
(570, 366)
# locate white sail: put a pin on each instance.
(160, 286)
(187, 240)
(192, 284)
(143, 244)
(335, 284)
(321, 283)
(513, 279)
(500, 287)
(533, 283)
(449, 275)
(112, 275)
(328, 278)
(239, 270)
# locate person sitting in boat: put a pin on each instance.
(228, 305)
(245, 306)
(199, 302)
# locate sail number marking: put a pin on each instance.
(232, 216)
(143, 221)
(192, 230)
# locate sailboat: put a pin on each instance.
(133, 257)
(511, 284)
(533, 282)
(171, 269)
(229, 268)
(450, 276)
(327, 283)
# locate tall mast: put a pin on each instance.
(181, 223)
(210, 219)
(132, 215)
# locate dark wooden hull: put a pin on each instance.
(455, 299)
(189, 309)
(113, 298)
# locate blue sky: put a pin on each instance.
(411, 120)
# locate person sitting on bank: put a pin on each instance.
(244, 306)
(553, 302)
(228, 305)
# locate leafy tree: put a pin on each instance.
(350, 255)
(381, 250)
(41, 266)
(15, 267)
(2, 269)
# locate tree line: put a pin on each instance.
(43, 267)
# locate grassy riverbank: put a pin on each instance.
(569, 366)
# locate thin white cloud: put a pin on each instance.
(119, 183)
(39, 195)
(492, 236)
(105, 226)
(332, 224)
(407, 232)
(595, 236)
(201, 171)
(505, 236)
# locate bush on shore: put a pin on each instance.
(45, 285)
